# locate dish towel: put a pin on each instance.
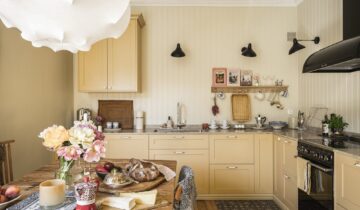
(146, 197)
(164, 170)
(124, 203)
(303, 175)
(319, 182)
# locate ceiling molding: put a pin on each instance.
(218, 3)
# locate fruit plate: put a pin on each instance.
(6, 204)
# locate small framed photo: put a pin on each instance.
(246, 78)
(233, 77)
(219, 77)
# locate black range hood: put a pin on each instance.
(343, 56)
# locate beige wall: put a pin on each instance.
(339, 92)
(211, 37)
(36, 91)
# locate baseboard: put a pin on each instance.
(279, 203)
(235, 197)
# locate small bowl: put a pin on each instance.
(277, 125)
(6, 204)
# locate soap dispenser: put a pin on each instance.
(169, 123)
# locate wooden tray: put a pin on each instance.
(117, 111)
(241, 108)
(142, 186)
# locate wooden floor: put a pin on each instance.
(206, 205)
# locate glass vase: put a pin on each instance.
(64, 171)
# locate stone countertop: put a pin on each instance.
(311, 136)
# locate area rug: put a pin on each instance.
(247, 205)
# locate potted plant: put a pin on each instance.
(337, 124)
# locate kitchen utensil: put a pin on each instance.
(241, 109)
(260, 96)
(260, 121)
(277, 125)
(117, 111)
(301, 120)
(215, 108)
(116, 179)
(83, 112)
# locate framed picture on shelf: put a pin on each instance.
(246, 78)
(219, 77)
(233, 77)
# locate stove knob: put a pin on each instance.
(326, 157)
(306, 150)
(321, 157)
(316, 155)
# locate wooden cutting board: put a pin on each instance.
(241, 108)
(117, 111)
(134, 187)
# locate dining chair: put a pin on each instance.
(6, 171)
(185, 191)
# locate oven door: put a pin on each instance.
(321, 196)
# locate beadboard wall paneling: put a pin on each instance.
(210, 37)
(340, 92)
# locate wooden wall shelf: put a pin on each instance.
(249, 89)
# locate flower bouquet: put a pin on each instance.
(82, 141)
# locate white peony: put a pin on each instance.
(82, 134)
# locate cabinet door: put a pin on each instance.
(291, 192)
(123, 60)
(127, 146)
(264, 163)
(278, 168)
(179, 142)
(198, 160)
(347, 182)
(290, 153)
(236, 149)
(232, 179)
(92, 68)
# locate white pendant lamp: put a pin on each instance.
(66, 24)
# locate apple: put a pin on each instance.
(12, 192)
(3, 199)
(109, 166)
(101, 169)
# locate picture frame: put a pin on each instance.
(246, 78)
(219, 77)
(233, 77)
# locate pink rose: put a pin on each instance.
(72, 152)
(95, 152)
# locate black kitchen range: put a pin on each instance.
(316, 177)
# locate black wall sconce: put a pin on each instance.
(248, 51)
(178, 52)
(297, 46)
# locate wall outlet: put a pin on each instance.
(291, 36)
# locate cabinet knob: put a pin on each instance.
(231, 167)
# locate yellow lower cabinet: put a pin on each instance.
(347, 181)
(121, 146)
(232, 179)
(198, 160)
(232, 148)
(264, 163)
(290, 192)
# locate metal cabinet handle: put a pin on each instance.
(126, 137)
(357, 164)
(231, 167)
(178, 152)
(321, 168)
(231, 137)
(286, 176)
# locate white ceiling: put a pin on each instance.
(240, 3)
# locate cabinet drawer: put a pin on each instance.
(347, 173)
(179, 142)
(232, 179)
(290, 153)
(198, 160)
(127, 146)
(235, 149)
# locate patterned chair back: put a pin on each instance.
(185, 191)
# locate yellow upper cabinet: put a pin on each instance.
(113, 65)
